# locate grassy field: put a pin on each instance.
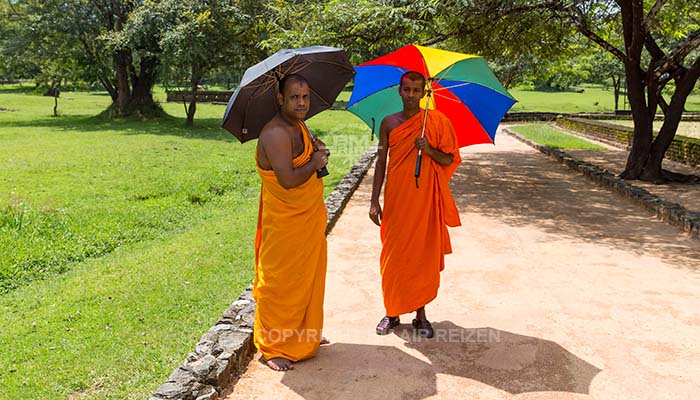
(122, 241)
(547, 135)
(594, 98)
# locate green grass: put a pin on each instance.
(547, 135)
(593, 99)
(123, 241)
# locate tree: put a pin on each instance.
(659, 50)
(605, 68)
(49, 61)
(201, 37)
(91, 35)
(660, 47)
(364, 28)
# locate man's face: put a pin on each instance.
(294, 103)
(411, 92)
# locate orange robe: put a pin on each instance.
(413, 228)
(290, 265)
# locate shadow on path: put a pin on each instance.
(503, 360)
(524, 188)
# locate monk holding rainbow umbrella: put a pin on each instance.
(445, 101)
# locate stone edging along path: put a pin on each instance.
(673, 213)
(223, 353)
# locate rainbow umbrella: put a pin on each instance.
(461, 86)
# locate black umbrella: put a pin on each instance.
(254, 103)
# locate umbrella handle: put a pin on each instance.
(321, 172)
(416, 174)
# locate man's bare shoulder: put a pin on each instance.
(391, 121)
(275, 130)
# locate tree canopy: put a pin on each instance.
(127, 45)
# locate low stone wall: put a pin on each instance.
(673, 213)
(205, 96)
(530, 116)
(526, 116)
(224, 352)
(682, 149)
(614, 135)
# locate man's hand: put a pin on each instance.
(421, 143)
(375, 213)
(319, 158)
(319, 145)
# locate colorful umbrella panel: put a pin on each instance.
(463, 88)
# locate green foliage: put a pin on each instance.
(365, 28)
(555, 138)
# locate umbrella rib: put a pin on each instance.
(454, 86)
(446, 97)
(445, 71)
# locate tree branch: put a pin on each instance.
(673, 61)
(652, 13)
(585, 31)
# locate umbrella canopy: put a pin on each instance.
(254, 103)
(463, 88)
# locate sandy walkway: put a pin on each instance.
(557, 289)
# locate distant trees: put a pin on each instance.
(127, 44)
(123, 44)
(200, 37)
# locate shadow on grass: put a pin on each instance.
(14, 88)
(205, 128)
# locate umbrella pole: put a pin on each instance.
(419, 160)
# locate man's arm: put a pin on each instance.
(435, 154)
(278, 149)
(375, 209)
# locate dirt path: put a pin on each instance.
(557, 289)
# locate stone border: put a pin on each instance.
(223, 353)
(673, 213)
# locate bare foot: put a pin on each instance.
(324, 341)
(279, 364)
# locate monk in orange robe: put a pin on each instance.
(290, 243)
(416, 215)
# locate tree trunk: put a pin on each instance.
(194, 84)
(122, 82)
(616, 90)
(672, 118)
(134, 97)
(643, 124)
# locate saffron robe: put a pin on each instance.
(414, 222)
(290, 264)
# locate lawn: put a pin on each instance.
(549, 136)
(123, 241)
(594, 98)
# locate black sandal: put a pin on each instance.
(423, 328)
(387, 324)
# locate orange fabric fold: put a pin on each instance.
(290, 264)
(414, 223)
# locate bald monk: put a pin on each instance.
(290, 243)
(414, 219)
